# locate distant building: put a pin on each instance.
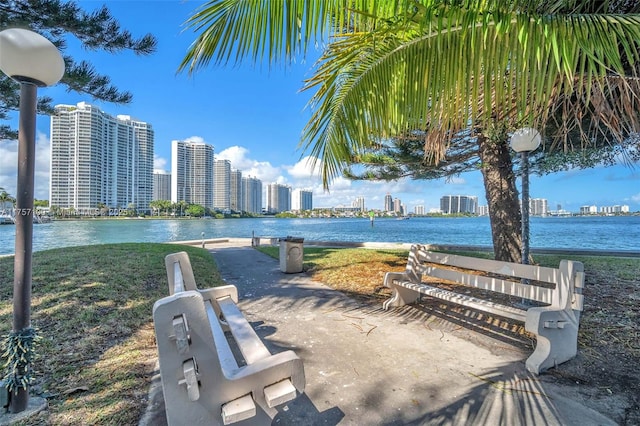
(614, 209)
(278, 198)
(252, 195)
(192, 173)
(483, 210)
(538, 207)
(587, 210)
(161, 185)
(397, 206)
(222, 185)
(455, 204)
(99, 159)
(301, 199)
(388, 203)
(345, 210)
(359, 204)
(236, 198)
(419, 210)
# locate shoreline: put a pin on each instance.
(273, 241)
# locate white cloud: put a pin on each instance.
(303, 169)
(159, 164)
(456, 180)
(9, 166)
(636, 198)
(263, 170)
(195, 139)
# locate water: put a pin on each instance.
(602, 233)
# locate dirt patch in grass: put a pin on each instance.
(608, 362)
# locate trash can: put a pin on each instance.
(291, 254)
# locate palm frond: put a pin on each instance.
(471, 68)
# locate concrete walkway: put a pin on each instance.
(365, 366)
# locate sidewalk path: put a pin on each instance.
(365, 366)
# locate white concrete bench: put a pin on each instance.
(559, 291)
(203, 381)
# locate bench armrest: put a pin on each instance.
(389, 277)
(213, 293)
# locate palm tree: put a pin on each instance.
(485, 67)
(5, 198)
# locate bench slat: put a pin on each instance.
(227, 360)
(472, 302)
(512, 288)
(531, 272)
(248, 341)
(178, 283)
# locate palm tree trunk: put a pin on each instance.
(502, 199)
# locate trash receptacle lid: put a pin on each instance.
(290, 239)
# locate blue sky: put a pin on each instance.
(254, 117)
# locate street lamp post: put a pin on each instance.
(524, 141)
(33, 61)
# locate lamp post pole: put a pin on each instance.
(524, 141)
(524, 156)
(32, 61)
(24, 226)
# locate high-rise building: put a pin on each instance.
(538, 207)
(388, 203)
(278, 198)
(483, 210)
(192, 173)
(236, 199)
(99, 159)
(419, 210)
(301, 199)
(359, 204)
(397, 206)
(222, 184)
(453, 204)
(161, 185)
(252, 194)
(585, 210)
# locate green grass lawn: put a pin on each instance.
(92, 308)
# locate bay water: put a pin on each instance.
(579, 232)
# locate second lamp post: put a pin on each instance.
(524, 141)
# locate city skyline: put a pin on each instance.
(254, 116)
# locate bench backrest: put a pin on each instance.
(179, 272)
(559, 287)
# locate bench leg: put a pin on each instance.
(401, 296)
(557, 338)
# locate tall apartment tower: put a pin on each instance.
(236, 199)
(359, 204)
(452, 204)
(222, 184)
(161, 185)
(252, 194)
(99, 159)
(538, 206)
(192, 173)
(301, 199)
(397, 206)
(278, 198)
(388, 203)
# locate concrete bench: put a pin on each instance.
(554, 321)
(204, 381)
